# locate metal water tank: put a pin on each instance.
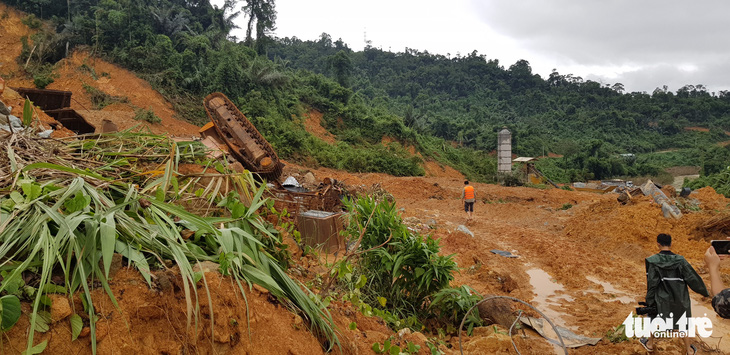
(504, 151)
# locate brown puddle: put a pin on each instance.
(613, 293)
(720, 337)
(549, 295)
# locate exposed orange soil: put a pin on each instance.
(703, 129)
(11, 30)
(313, 124)
(151, 321)
(41, 120)
(697, 129)
(122, 83)
(410, 148)
(435, 169)
(596, 238)
(111, 79)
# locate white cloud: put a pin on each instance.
(642, 44)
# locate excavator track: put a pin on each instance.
(244, 141)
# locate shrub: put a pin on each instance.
(404, 268)
(100, 99)
(720, 182)
(32, 21)
(451, 304)
(146, 115)
(43, 75)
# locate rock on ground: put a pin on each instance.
(462, 228)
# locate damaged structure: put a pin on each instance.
(57, 105)
(229, 133)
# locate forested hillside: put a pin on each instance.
(448, 108)
(467, 99)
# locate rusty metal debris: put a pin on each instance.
(230, 127)
(229, 131)
(321, 229)
(327, 197)
(57, 104)
(46, 99)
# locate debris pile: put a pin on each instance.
(668, 208)
(84, 199)
(15, 109)
(57, 104)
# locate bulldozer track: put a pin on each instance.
(244, 140)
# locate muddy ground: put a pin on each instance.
(582, 266)
(580, 254)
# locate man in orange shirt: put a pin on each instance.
(469, 196)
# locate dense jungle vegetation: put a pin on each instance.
(449, 107)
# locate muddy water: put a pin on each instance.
(720, 337)
(613, 292)
(549, 295)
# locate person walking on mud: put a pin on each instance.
(667, 278)
(469, 196)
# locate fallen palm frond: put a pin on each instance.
(70, 207)
(22, 150)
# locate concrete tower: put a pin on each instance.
(504, 151)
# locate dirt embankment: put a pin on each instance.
(81, 69)
(153, 321)
(11, 31)
(312, 122)
(73, 73)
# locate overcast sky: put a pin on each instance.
(641, 44)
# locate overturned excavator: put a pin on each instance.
(233, 132)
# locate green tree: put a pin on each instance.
(342, 67)
(262, 14)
